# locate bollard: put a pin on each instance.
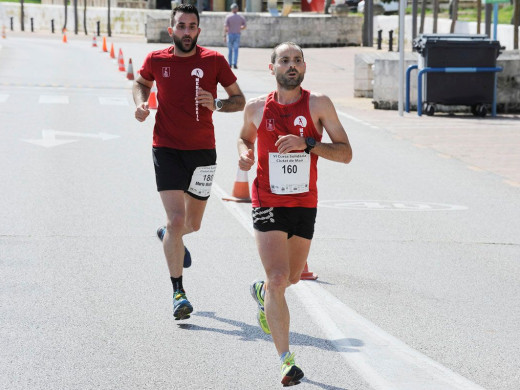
(390, 40)
(32, 24)
(97, 27)
(52, 25)
(12, 29)
(379, 39)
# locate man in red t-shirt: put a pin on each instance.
(186, 76)
(288, 125)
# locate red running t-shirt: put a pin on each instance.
(180, 123)
(278, 119)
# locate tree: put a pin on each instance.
(85, 16)
(75, 2)
(454, 14)
(516, 16)
(436, 15)
(21, 16)
(109, 31)
(65, 22)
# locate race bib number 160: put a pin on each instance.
(289, 173)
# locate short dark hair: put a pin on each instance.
(273, 54)
(185, 9)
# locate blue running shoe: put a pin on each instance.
(181, 306)
(161, 231)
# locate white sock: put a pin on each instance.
(284, 355)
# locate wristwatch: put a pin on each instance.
(311, 143)
(218, 104)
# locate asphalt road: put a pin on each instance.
(417, 256)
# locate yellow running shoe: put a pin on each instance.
(291, 373)
(256, 293)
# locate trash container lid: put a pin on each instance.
(424, 41)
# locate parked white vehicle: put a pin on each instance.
(380, 7)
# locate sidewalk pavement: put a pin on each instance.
(487, 144)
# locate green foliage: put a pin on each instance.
(24, 1)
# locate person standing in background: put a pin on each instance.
(233, 27)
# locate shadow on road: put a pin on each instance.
(252, 332)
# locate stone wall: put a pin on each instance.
(264, 30)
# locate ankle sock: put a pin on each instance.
(283, 356)
(177, 283)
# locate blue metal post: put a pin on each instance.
(408, 71)
(495, 20)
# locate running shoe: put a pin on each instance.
(291, 373)
(181, 306)
(256, 292)
(161, 231)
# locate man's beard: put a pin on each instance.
(289, 83)
(179, 45)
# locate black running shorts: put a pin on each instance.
(174, 168)
(295, 221)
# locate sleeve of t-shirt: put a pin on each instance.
(146, 69)
(244, 21)
(226, 77)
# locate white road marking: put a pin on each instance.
(113, 101)
(353, 118)
(53, 99)
(3, 97)
(384, 362)
(49, 137)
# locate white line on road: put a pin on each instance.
(53, 99)
(384, 362)
(113, 101)
(3, 97)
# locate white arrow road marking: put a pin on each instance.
(385, 362)
(53, 99)
(49, 139)
(3, 97)
(113, 101)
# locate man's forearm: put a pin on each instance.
(233, 103)
(340, 152)
(140, 92)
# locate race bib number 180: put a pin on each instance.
(202, 180)
(289, 173)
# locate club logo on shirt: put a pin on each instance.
(269, 124)
(198, 73)
(165, 71)
(301, 122)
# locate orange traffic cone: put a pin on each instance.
(3, 32)
(112, 54)
(308, 275)
(121, 61)
(152, 100)
(64, 35)
(240, 192)
(94, 43)
(105, 44)
(130, 70)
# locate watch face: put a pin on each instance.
(311, 142)
(218, 104)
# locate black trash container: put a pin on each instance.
(457, 50)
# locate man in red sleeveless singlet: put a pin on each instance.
(186, 76)
(287, 126)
